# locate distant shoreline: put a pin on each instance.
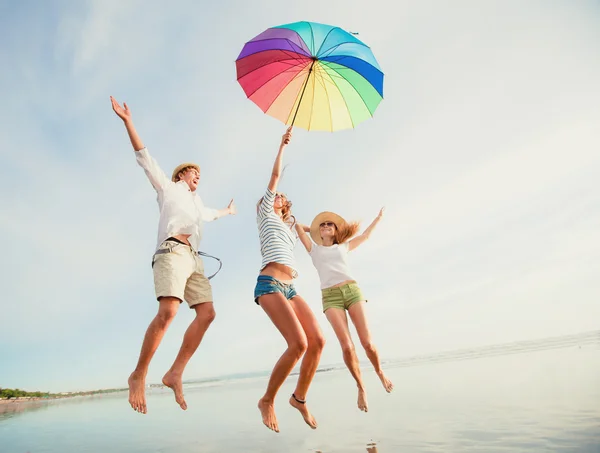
(575, 341)
(55, 397)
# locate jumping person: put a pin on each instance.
(177, 267)
(276, 295)
(333, 239)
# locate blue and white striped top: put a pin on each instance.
(277, 239)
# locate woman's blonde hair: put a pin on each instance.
(345, 232)
(286, 210)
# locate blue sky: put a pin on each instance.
(485, 152)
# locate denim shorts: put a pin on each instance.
(265, 284)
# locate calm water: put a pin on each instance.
(536, 402)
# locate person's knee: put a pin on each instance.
(167, 310)
(208, 314)
(368, 346)
(298, 346)
(317, 343)
(348, 348)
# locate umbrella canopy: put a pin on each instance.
(311, 75)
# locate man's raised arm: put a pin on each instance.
(125, 114)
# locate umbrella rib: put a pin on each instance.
(271, 78)
(325, 39)
(282, 89)
(349, 56)
(286, 39)
(328, 100)
(332, 48)
(312, 105)
(354, 88)
(299, 60)
(343, 98)
(312, 39)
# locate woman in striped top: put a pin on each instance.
(276, 295)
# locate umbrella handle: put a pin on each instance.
(289, 129)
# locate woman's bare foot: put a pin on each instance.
(362, 400)
(387, 384)
(268, 414)
(308, 418)
(173, 381)
(137, 392)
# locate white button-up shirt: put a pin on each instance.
(181, 210)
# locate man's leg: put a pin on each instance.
(167, 309)
(205, 314)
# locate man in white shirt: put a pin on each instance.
(177, 267)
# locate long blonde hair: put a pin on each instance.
(345, 232)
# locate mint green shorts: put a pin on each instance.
(342, 297)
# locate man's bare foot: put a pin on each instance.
(387, 384)
(137, 392)
(173, 381)
(308, 418)
(362, 401)
(268, 414)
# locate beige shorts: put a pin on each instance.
(179, 272)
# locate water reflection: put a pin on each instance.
(13, 409)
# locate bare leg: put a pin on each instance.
(280, 311)
(310, 362)
(205, 314)
(339, 321)
(358, 316)
(167, 309)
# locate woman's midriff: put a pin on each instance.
(343, 283)
(278, 271)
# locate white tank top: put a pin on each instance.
(331, 264)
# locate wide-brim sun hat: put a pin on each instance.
(181, 167)
(325, 216)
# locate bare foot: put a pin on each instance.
(173, 381)
(362, 401)
(308, 418)
(268, 415)
(387, 384)
(137, 393)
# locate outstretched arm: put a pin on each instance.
(306, 242)
(276, 173)
(125, 114)
(210, 214)
(155, 174)
(365, 235)
(229, 210)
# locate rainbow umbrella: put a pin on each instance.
(310, 75)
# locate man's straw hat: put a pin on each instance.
(325, 216)
(181, 167)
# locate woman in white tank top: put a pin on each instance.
(332, 239)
